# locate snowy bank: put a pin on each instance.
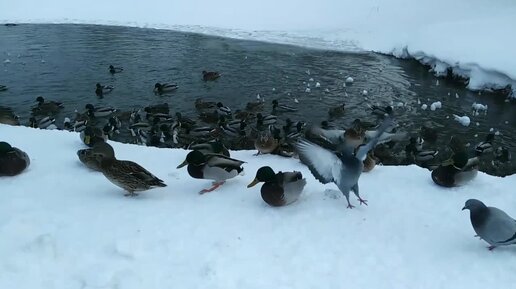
(64, 226)
(469, 36)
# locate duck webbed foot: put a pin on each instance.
(214, 187)
(131, 194)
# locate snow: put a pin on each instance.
(64, 226)
(468, 36)
(464, 120)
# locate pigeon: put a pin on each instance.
(491, 224)
(343, 167)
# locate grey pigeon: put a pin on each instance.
(491, 224)
(343, 167)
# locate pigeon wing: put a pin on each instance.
(499, 229)
(324, 164)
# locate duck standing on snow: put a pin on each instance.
(279, 189)
(342, 168)
(12, 160)
(491, 224)
(457, 170)
(100, 89)
(113, 69)
(165, 87)
(210, 75)
(218, 168)
(485, 146)
(128, 175)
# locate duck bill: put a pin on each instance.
(463, 208)
(182, 164)
(253, 183)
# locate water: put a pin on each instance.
(63, 63)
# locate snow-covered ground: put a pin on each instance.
(64, 226)
(473, 37)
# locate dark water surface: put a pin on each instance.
(63, 63)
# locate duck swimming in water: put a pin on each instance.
(113, 69)
(165, 87)
(100, 89)
(210, 75)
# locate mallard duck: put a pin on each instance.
(223, 110)
(266, 143)
(92, 135)
(276, 107)
(211, 147)
(254, 105)
(369, 162)
(165, 87)
(93, 111)
(128, 175)
(12, 160)
(502, 155)
(205, 131)
(415, 150)
(210, 75)
(3, 87)
(88, 157)
(184, 121)
(450, 175)
(7, 116)
(485, 146)
(337, 110)
(157, 108)
(44, 123)
(342, 168)
(47, 106)
(381, 111)
(279, 189)
(100, 89)
(267, 120)
(113, 69)
(200, 104)
(218, 168)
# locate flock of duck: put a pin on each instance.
(332, 155)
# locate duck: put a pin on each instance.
(276, 107)
(223, 110)
(13, 160)
(211, 147)
(204, 131)
(218, 168)
(254, 105)
(113, 69)
(184, 121)
(343, 167)
(429, 134)
(421, 157)
(485, 146)
(7, 116)
(337, 111)
(100, 90)
(266, 143)
(157, 108)
(279, 189)
(165, 87)
(382, 111)
(125, 174)
(92, 135)
(452, 176)
(3, 87)
(44, 123)
(200, 104)
(93, 111)
(267, 120)
(47, 106)
(369, 162)
(88, 158)
(502, 155)
(210, 75)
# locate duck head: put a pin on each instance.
(264, 174)
(40, 100)
(195, 158)
(5, 147)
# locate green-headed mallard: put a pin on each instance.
(128, 175)
(96, 111)
(485, 146)
(223, 110)
(12, 160)
(113, 69)
(44, 123)
(47, 107)
(88, 157)
(279, 189)
(210, 75)
(458, 169)
(164, 87)
(218, 168)
(92, 135)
